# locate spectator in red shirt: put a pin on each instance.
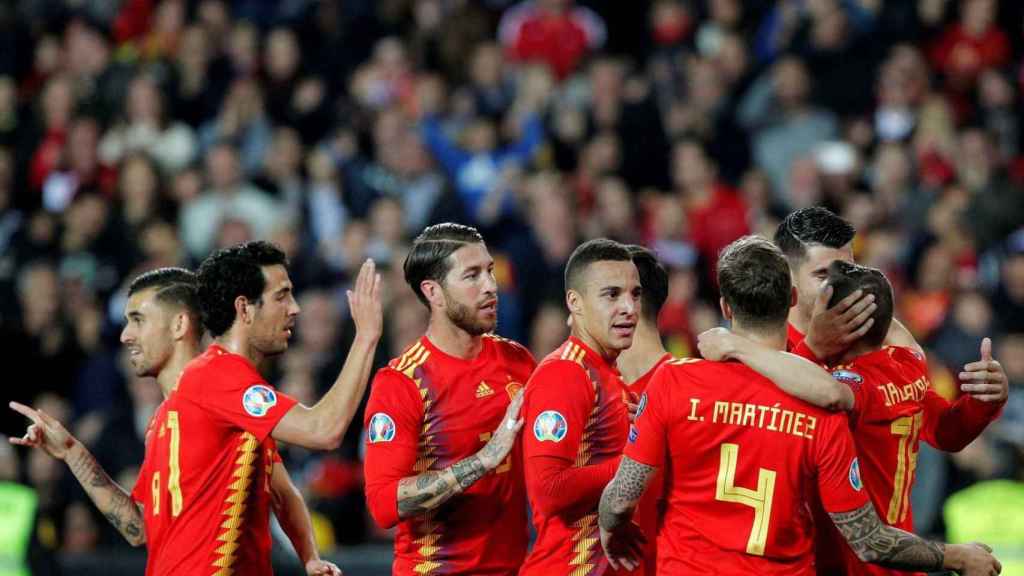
(971, 45)
(551, 31)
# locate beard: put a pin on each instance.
(465, 318)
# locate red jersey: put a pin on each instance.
(793, 337)
(743, 460)
(640, 384)
(208, 464)
(576, 426)
(427, 411)
(894, 408)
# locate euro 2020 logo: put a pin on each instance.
(550, 426)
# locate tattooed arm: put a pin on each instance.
(425, 492)
(878, 543)
(113, 501)
(622, 540)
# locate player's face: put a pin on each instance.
(470, 290)
(812, 273)
(275, 314)
(147, 333)
(611, 303)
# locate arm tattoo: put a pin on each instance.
(113, 501)
(884, 545)
(621, 495)
(423, 493)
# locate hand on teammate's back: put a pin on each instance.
(364, 302)
(45, 432)
(322, 568)
(974, 559)
(832, 330)
(717, 344)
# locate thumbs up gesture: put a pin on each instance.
(985, 379)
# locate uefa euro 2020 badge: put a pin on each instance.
(550, 426)
(382, 428)
(258, 400)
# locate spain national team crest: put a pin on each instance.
(847, 377)
(382, 428)
(855, 479)
(258, 399)
(550, 426)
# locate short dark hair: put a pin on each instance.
(846, 278)
(591, 251)
(809, 227)
(232, 272)
(653, 281)
(175, 286)
(428, 257)
(754, 280)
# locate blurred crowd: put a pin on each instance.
(144, 133)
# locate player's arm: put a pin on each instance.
(114, 502)
(429, 490)
(323, 425)
(556, 486)
(877, 543)
(795, 375)
(618, 502)
(291, 512)
(899, 335)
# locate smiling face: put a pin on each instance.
(471, 291)
(275, 313)
(812, 271)
(147, 333)
(608, 306)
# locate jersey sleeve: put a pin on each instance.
(392, 425)
(236, 395)
(559, 400)
(835, 458)
(648, 436)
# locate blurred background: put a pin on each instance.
(144, 133)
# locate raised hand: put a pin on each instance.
(364, 302)
(504, 436)
(985, 379)
(322, 568)
(832, 330)
(45, 432)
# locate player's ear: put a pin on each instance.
(180, 325)
(433, 292)
(574, 300)
(726, 310)
(243, 310)
(792, 296)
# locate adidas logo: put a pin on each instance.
(483, 390)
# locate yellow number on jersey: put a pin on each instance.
(907, 428)
(174, 469)
(506, 464)
(155, 487)
(760, 500)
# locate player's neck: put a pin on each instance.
(774, 338)
(582, 335)
(858, 349)
(798, 319)
(645, 352)
(236, 341)
(182, 355)
(452, 340)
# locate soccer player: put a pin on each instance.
(443, 417)
(745, 459)
(576, 409)
(892, 408)
(162, 334)
(211, 482)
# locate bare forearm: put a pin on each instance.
(429, 490)
(335, 410)
(884, 545)
(621, 495)
(797, 376)
(113, 501)
(296, 523)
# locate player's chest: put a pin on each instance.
(459, 413)
(608, 420)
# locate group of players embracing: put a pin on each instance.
(789, 448)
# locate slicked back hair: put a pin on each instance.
(428, 259)
(846, 278)
(232, 272)
(754, 280)
(653, 281)
(590, 252)
(814, 226)
(174, 286)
